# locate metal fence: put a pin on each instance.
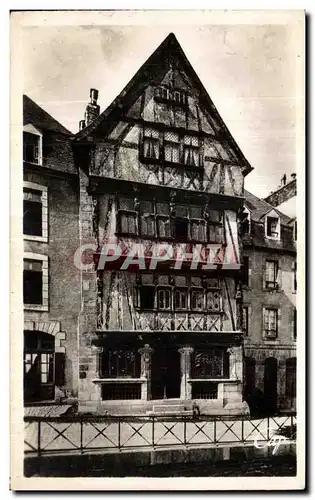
(86, 434)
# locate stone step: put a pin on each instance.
(174, 408)
(170, 413)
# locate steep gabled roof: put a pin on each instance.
(259, 208)
(37, 116)
(144, 76)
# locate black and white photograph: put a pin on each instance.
(157, 241)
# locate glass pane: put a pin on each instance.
(171, 153)
(126, 203)
(171, 137)
(151, 132)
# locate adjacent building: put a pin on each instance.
(51, 236)
(269, 308)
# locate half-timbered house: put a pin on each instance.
(160, 332)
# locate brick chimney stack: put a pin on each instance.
(92, 110)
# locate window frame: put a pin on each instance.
(267, 336)
(44, 201)
(40, 350)
(188, 289)
(45, 283)
(275, 217)
(169, 97)
(162, 141)
(272, 285)
(206, 222)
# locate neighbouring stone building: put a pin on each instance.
(51, 236)
(269, 308)
(159, 166)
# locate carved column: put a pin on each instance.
(146, 355)
(185, 366)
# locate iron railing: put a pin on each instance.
(85, 434)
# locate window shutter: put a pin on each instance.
(60, 365)
(279, 277)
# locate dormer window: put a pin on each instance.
(272, 226)
(32, 145)
(170, 96)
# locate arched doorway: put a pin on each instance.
(290, 382)
(270, 385)
(39, 366)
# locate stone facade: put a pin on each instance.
(57, 316)
(259, 297)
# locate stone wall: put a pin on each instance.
(63, 276)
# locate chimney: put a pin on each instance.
(283, 180)
(81, 124)
(293, 176)
(92, 110)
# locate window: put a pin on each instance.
(213, 301)
(215, 226)
(270, 323)
(210, 363)
(147, 297)
(147, 218)
(273, 227)
(35, 282)
(245, 271)
(151, 143)
(197, 300)
(295, 230)
(32, 212)
(170, 96)
(245, 320)
(116, 363)
(191, 151)
(163, 224)
(35, 217)
(186, 294)
(31, 148)
(39, 366)
(272, 274)
(294, 277)
(294, 324)
(164, 299)
(171, 147)
(181, 299)
(127, 216)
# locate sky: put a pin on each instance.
(250, 72)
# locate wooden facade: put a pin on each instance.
(159, 167)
